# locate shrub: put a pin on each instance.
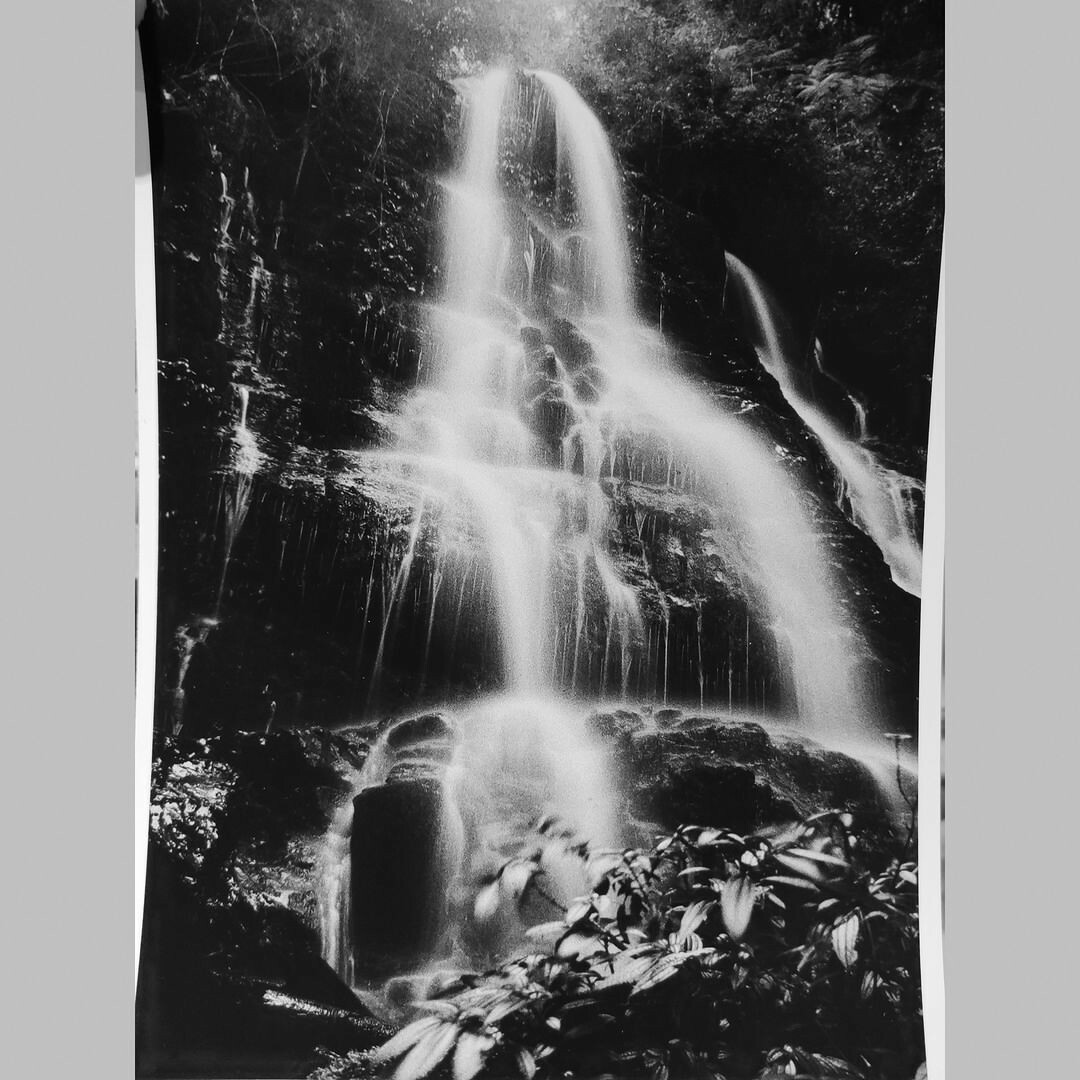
(711, 955)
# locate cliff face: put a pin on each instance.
(297, 201)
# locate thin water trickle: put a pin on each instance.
(884, 502)
(246, 459)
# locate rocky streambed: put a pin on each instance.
(233, 975)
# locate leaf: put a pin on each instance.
(629, 965)
(845, 937)
(578, 945)
(817, 856)
(803, 867)
(487, 902)
(442, 1009)
(664, 968)
(798, 883)
(469, 1054)
(428, 1052)
(404, 1039)
(503, 1010)
(694, 916)
(578, 912)
(546, 933)
(516, 877)
(737, 905)
(526, 1063)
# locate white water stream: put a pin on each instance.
(882, 499)
(522, 440)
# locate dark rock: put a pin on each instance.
(435, 752)
(417, 729)
(713, 771)
(287, 783)
(573, 347)
(414, 770)
(398, 891)
(532, 337)
(616, 723)
(202, 1008)
(589, 384)
(707, 792)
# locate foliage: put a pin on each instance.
(711, 955)
(805, 135)
(188, 804)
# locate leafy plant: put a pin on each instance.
(713, 954)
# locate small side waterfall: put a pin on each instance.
(188, 637)
(884, 502)
(335, 869)
(858, 408)
(246, 457)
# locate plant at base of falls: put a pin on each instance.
(186, 808)
(713, 954)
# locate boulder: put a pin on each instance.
(208, 980)
(686, 768)
(709, 792)
(615, 723)
(417, 729)
(398, 893)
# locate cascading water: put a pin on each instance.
(236, 491)
(188, 637)
(544, 393)
(884, 502)
(858, 408)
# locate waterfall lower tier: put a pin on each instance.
(442, 802)
(467, 826)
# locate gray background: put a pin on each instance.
(1007, 365)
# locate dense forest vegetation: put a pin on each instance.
(806, 136)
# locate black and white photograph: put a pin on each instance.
(541, 407)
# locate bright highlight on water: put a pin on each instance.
(543, 389)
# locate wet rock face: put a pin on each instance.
(397, 898)
(421, 729)
(682, 768)
(237, 821)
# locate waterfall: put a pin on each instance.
(784, 557)
(523, 437)
(884, 502)
(545, 393)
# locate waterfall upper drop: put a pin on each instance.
(881, 499)
(545, 391)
